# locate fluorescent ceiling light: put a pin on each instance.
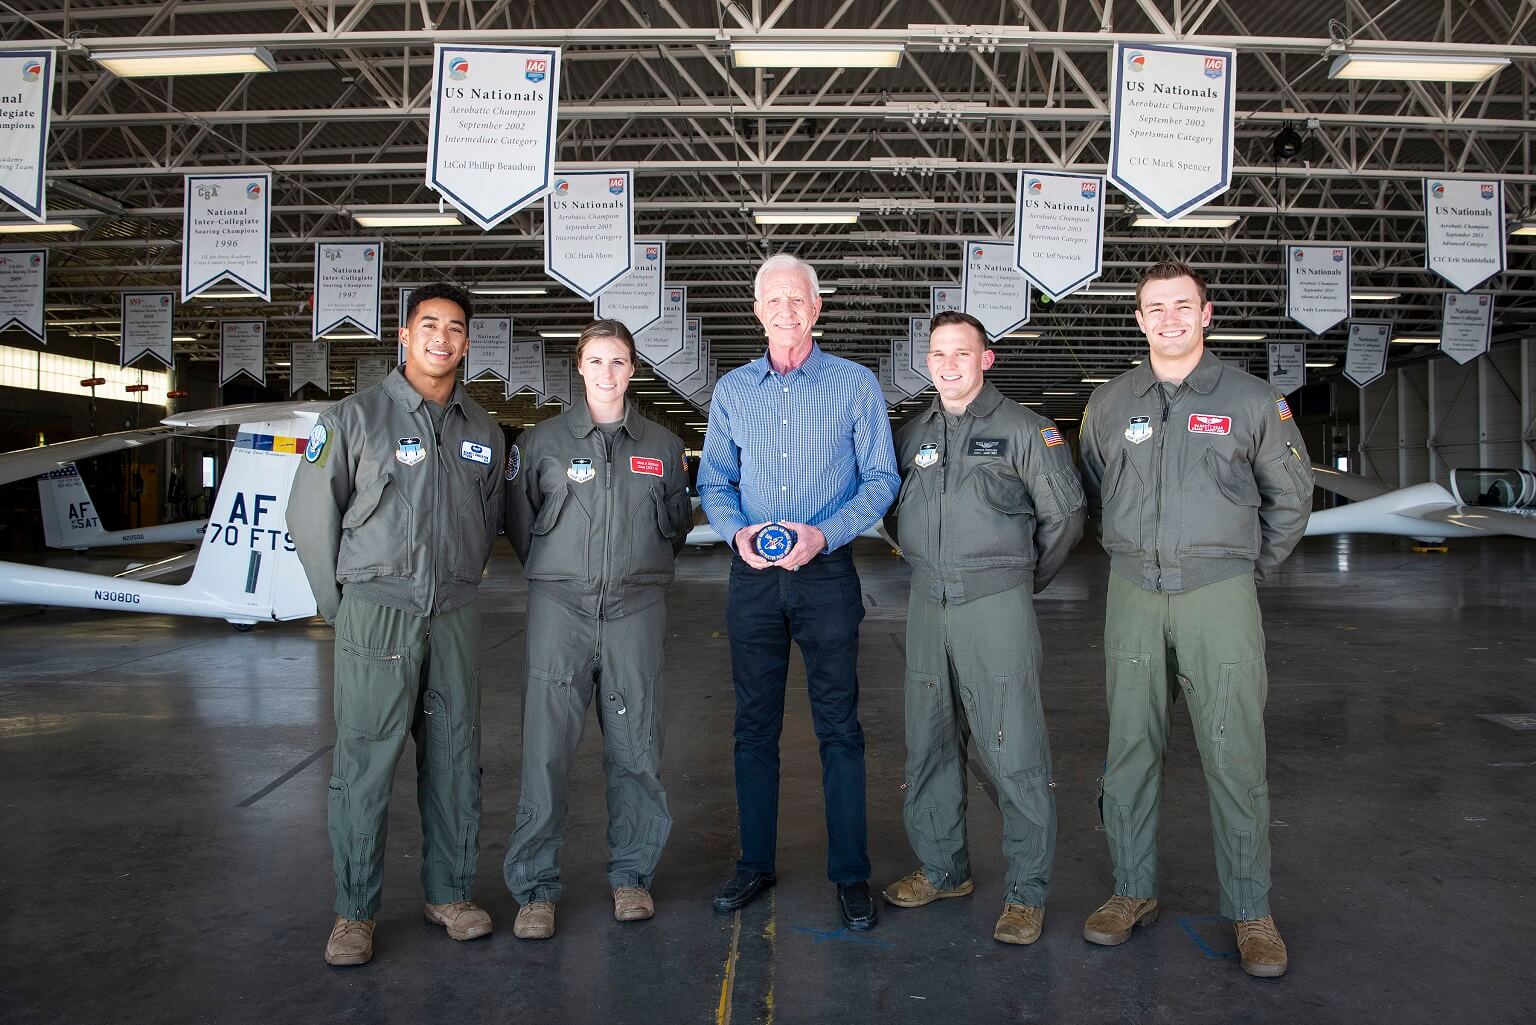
(1528, 228)
(806, 217)
(349, 336)
(1375, 297)
(282, 363)
(1391, 67)
(817, 333)
(509, 291)
(1065, 419)
(826, 289)
(423, 219)
(1022, 334)
(1231, 337)
(1189, 221)
(240, 60)
(1095, 380)
(559, 334)
(1106, 293)
(226, 295)
(36, 227)
(1071, 393)
(1032, 403)
(1415, 341)
(183, 338)
(660, 402)
(1320, 366)
(783, 55)
(87, 322)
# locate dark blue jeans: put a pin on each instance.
(819, 607)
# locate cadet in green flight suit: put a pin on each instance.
(597, 508)
(1201, 484)
(990, 506)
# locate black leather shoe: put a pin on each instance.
(857, 906)
(742, 889)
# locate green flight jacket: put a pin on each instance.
(1204, 486)
(989, 499)
(598, 522)
(393, 512)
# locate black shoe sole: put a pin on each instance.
(725, 907)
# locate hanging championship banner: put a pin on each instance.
(894, 396)
(918, 329)
(634, 300)
(557, 380)
(492, 130)
(1464, 230)
(706, 392)
(944, 299)
(349, 277)
(405, 304)
(1171, 125)
(677, 369)
(490, 349)
(147, 322)
(525, 368)
(994, 291)
(26, 92)
(1059, 233)
(242, 350)
(664, 339)
(226, 224)
(902, 374)
(589, 230)
(1287, 365)
(1366, 358)
(22, 275)
(696, 380)
(371, 370)
(1466, 326)
(1317, 286)
(310, 364)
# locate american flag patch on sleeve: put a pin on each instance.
(1052, 437)
(1284, 407)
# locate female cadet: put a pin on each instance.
(597, 508)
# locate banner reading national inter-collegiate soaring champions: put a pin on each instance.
(226, 233)
(1466, 326)
(348, 286)
(1287, 365)
(589, 230)
(1366, 358)
(490, 349)
(26, 89)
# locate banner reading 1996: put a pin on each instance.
(1059, 238)
(26, 88)
(225, 233)
(1171, 128)
(492, 130)
(589, 230)
(995, 292)
(1317, 286)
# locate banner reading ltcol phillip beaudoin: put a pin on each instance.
(491, 135)
(1171, 124)
(226, 233)
(242, 345)
(349, 279)
(1464, 230)
(589, 230)
(26, 87)
(1317, 286)
(1059, 238)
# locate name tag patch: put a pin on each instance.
(988, 447)
(410, 451)
(647, 465)
(475, 452)
(1209, 423)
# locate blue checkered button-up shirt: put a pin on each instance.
(811, 446)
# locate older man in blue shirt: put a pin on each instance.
(798, 438)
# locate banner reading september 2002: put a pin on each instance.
(226, 233)
(26, 89)
(492, 131)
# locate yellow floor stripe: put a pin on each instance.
(728, 983)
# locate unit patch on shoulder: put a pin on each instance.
(647, 465)
(581, 471)
(1284, 407)
(1138, 430)
(410, 452)
(514, 463)
(1209, 423)
(1052, 436)
(314, 448)
(475, 452)
(927, 455)
(988, 447)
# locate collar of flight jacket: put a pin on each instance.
(410, 400)
(579, 419)
(986, 400)
(1202, 379)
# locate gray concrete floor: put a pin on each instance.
(163, 854)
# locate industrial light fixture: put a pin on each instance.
(1415, 341)
(806, 217)
(1022, 334)
(1527, 228)
(1231, 337)
(1287, 143)
(1375, 297)
(226, 295)
(349, 336)
(1320, 366)
(1188, 221)
(559, 334)
(407, 219)
(826, 289)
(183, 338)
(1071, 393)
(1095, 380)
(36, 227)
(787, 55)
(1393, 67)
(238, 60)
(519, 290)
(817, 333)
(1106, 293)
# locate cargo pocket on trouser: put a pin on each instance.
(638, 820)
(1237, 720)
(448, 793)
(1132, 766)
(1021, 763)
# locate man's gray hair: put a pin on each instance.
(784, 261)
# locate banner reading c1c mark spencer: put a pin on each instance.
(589, 230)
(492, 131)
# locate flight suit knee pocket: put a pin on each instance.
(1237, 720)
(373, 693)
(924, 713)
(629, 720)
(1016, 733)
(1128, 680)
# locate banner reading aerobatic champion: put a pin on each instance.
(26, 89)
(226, 224)
(349, 278)
(490, 349)
(525, 368)
(894, 396)
(1366, 358)
(1464, 230)
(1059, 233)
(634, 300)
(696, 380)
(1171, 124)
(492, 128)
(1317, 286)
(683, 364)
(918, 330)
(23, 273)
(589, 229)
(664, 339)
(147, 328)
(370, 370)
(944, 299)
(902, 374)
(242, 347)
(1466, 326)
(557, 380)
(1287, 365)
(310, 363)
(994, 291)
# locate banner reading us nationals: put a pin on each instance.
(1366, 358)
(1171, 124)
(490, 348)
(902, 374)
(1466, 326)
(26, 89)
(242, 347)
(943, 299)
(664, 339)
(1059, 237)
(634, 300)
(226, 233)
(1287, 365)
(1464, 230)
(348, 280)
(685, 362)
(492, 130)
(22, 275)
(147, 322)
(1317, 286)
(589, 230)
(525, 368)
(310, 363)
(994, 291)
(918, 330)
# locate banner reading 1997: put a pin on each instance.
(26, 89)
(225, 233)
(589, 230)
(1171, 128)
(348, 283)
(1059, 238)
(492, 130)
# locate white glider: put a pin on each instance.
(1479, 503)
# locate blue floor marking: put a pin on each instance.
(819, 936)
(1188, 924)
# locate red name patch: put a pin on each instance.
(644, 464)
(1205, 423)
